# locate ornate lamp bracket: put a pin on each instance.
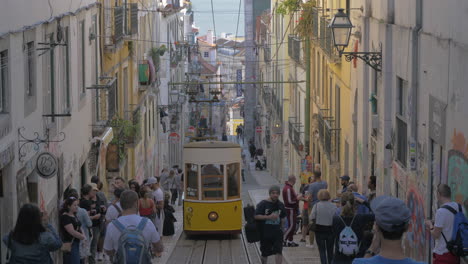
(373, 59)
(36, 141)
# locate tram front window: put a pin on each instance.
(191, 170)
(233, 173)
(212, 181)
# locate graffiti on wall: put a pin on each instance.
(457, 167)
(417, 233)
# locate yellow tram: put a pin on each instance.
(212, 191)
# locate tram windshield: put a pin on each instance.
(212, 181)
(191, 170)
(233, 177)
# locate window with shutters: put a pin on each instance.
(401, 126)
(30, 68)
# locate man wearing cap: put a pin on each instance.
(158, 196)
(271, 213)
(391, 222)
(344, 182)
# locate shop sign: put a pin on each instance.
(46, 165)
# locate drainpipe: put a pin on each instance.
(416, 32)
(307, 106)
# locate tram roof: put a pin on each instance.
(211, 144)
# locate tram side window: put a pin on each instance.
(212, 181)
(233, 176)
(192, 180)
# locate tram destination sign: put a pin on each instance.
(46, 165)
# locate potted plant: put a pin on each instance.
(126, 133)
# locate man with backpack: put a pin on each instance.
(450, 229)
(130, 238)
(271, 214)
(391, 222)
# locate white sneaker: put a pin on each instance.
(310, 246)
(99, 256)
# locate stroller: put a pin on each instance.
(260, 164)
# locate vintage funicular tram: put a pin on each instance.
(212, 201)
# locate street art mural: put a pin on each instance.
(417, 234)
(457, 167)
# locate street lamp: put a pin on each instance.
(341, 32)
(174, 95)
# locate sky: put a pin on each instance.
(226, 16)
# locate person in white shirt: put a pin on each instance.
(443, 226)
(115, 209)
(158, 196)
(130, 217)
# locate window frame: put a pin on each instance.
(206, 54)
(203, 188)
(401, 143)
(30, 68)
(4, 80)
(237, 181)
(186, 181)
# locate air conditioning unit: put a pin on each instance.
(375, 121)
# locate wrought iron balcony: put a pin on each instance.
(295, 49)
(326, 40)
(295, 134)
(329, 136)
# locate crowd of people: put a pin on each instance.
(96, 227)
(352, 228)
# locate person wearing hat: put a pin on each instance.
(271, 214)
(392, 217)
(158, 196)
(345, 183)
(89, 203)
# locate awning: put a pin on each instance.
(107, 136)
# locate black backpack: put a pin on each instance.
(251, 227)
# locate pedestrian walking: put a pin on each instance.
(313, 189)
(372, 185)
(71, 231)
(134, 186)
(391, 222)
(89, 202)
(32, 238)
(158, 196)
(169, 218)
(305, 211)
(147, 206)
(120, 243)
(271, 215)
(101, 202)
(442, 228)
(86, 225)
(348, 229)
(344, 182)
(252, 150)
(163, 176)
(171, 184)
(291, 203)
(322, 220)
(115, 209)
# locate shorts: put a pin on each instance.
(271, 243)
(305, 217)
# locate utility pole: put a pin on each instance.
(250, 72)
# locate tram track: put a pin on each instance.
(223, 249)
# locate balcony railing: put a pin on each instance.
(329, 136)
(323, 36)
(267, 53)
(295, 49)
(119, 21)
(112, 100)
(315, 24)
(295, 134)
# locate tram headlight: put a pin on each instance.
(213, 216)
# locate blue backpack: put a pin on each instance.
(458, 244)
(132, 244)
